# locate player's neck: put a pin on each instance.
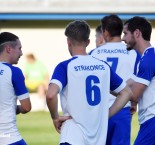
(143, 45)
(3, 59)
(79, 51)
(114, 39)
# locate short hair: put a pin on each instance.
(99, 29)
(113, 24)
(7, 37)
(78, 30)
(142, 24)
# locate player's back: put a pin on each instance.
(123, 62)
(117, 56)
(87, 92)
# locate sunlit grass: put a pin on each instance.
(37, 128)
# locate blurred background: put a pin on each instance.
(40, 25)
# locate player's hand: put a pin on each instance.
(58, 122)
(133, 108)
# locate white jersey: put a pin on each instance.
(146, 76)
(84, 84)
(123, 62)
(11, 87)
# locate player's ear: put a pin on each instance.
(137, 33)
(100, 39)
(68, 42)
(106, 33)
(8, 48)
(87, 42)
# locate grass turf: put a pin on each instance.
(37, 128)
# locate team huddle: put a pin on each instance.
(99, 91)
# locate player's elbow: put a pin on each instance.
(49, 98)
(52, 91)
(50, 95)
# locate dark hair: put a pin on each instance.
(142, 24)
(78, 30)
(113, 24)
(99, 29)
(7, 36)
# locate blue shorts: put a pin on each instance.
(65, 143)
(119, 128)
(21, 142)
(146, 134)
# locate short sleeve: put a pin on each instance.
(60, 76)
(116, 82)
(18, 81)
(146, 71)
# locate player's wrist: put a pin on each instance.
(18, 109)
(55, 117)
(134, 103)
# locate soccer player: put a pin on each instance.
(99, 36)
(123, 62)
(12, 87)
(84, 83)
(36, 75)
(137, 33)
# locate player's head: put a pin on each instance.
(10, 47)
(99, 36)
(77, 33)
(140, 23)
(30, 58)
(135, 29)
(112, 24)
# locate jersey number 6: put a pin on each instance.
(93, 93)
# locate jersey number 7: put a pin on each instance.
(114, 62)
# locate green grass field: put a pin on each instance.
(37, 128)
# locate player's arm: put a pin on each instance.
(24, 107)
(143, 78)
(121, 91)
(52, 100)
(21, 91)
(52, 103)
(137, 89)
(122, 98)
